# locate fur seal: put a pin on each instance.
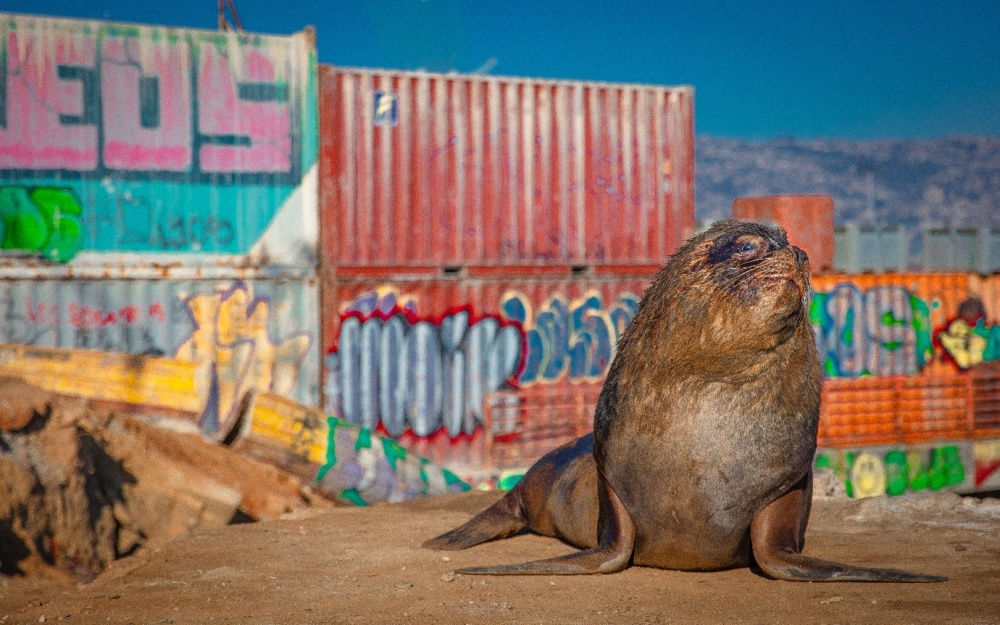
(704, 432)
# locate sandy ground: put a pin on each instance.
(365, 565)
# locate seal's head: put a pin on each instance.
(737, 288)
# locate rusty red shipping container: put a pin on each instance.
(423, 170)
(808, 219)
(419, 357)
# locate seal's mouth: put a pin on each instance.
(779, 281)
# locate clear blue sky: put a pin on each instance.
(858, 69)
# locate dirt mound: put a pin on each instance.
(81, 486)
(20, 402)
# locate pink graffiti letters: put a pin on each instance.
(142, 130)
(82, 316)
(88, 100)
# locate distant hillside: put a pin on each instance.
(948, 182)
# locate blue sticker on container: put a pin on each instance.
(386, 108)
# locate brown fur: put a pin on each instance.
(704, 432)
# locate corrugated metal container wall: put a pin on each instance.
(416, 357)
(127, 146)
(808, 220)
(260, 335)
(897, 323)
(431, 169)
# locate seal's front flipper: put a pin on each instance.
(500, 520)
(616, 540)
(777, 535)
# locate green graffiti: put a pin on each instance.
(899, 471)
(352, 495)
(848, 484)
(43, 220)
(848, 335)
(454, 482)
(817, 308)
(363, 467)
(992, 336)
(509, 481)
(922, 327)
(895, 473)
(424, 478)
(830, 368)
(889, 319)
(394, 452)
(364, 439)
(883, 330)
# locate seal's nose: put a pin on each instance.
(800, 256)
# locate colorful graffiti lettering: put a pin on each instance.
(43, 220)
(896, 471)
(396, 369)
(131, 122)
(232, 343)
(569, 338)
(882, 331)
(986, 456)
(122, 100)
(365, 468)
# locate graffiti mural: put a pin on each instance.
(232, 343)
(364, 468)
(966, 340)
(986, 455)
(574, 339)
(255, 335)
(872, 472)
(396, 369)
(149, 139)
(42, 220)
(884, 330)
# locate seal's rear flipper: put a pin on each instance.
(597, 560)
(616, 533)
(500, 520)
(777, 534)
(796, 567)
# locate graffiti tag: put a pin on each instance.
(882, 331)
(395, 368)
(89, 101)
(232, 344)
(365, 468)
(42, 220)
(969, 345)
(871, 474)
(569, 338)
